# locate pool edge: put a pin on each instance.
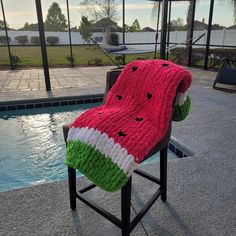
(50, 102)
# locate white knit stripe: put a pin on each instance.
(105, 145)
(181, 98)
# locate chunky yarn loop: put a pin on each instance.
(106, 143)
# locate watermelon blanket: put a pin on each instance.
(106, 143)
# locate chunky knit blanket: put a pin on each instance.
(106, 143)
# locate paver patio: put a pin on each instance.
(30, 84)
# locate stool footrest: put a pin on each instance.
(99, 209)
(91, 186)
(147, 176)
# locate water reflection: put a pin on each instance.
(32, 146)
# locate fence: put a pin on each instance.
(145, 40)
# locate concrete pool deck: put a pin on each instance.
(201, 189)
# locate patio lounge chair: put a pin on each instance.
(226, 75)
(119, 50)
(161, 146)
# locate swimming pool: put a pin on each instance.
(32, 148)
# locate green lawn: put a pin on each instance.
(84, 55)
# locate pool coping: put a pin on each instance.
(50, 102)
(179, 149)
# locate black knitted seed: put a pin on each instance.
(119, 97)
(139, 119)
(165, 64)
(149, 96)
(134, 68)
(120, 133)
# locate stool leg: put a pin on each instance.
(163, 173)
(72, 187)
(125, 207)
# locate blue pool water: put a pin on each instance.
(32, 148)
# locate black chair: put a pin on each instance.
(226, 75)
(125, 224)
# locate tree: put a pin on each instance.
(233, 2)
(135, 27)
(126, 28)
(177, 24)
(26, 26)
(30, 27)
(96, 10)
(85, 29)
(2, 25)
(74, 29)
(55, 20)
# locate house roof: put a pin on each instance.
(196, 22)
(147, 29)
(104, 22)
(232, 27)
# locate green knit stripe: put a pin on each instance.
(180, 112)
(95, 166)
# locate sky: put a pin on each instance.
(20, 11)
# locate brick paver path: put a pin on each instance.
(30, 83)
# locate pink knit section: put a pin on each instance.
(138, 108)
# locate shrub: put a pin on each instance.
(15, 60)
(119, 59)
(52, 40)
(35, 40)
(198, 55)
(216, 55)
(22, 39)
(114, 39)
(140, 58)
(3, 39)
(96, 61)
